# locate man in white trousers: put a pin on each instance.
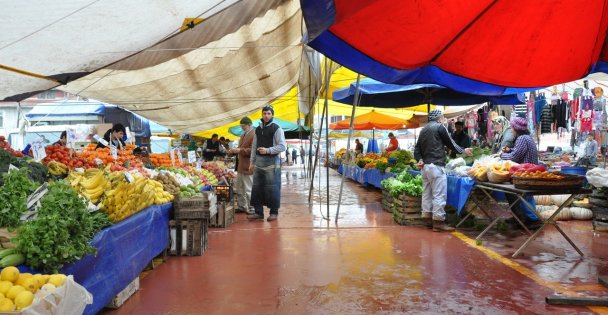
(244, 176)
(431, 156)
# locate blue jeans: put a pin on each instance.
(266, 189)
(521, 210)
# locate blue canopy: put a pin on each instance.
(69, 108)
(377, 94)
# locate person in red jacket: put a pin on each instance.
(393, 144)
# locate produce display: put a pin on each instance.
(127, 198)
(35, 171)
(403, 183)
(13, 197)
(163, 159)
(169, 182)
(477, 153)
(526, 167)
(5, 146)
(17, 290)
(61, 231)
(394, 162)
(538, 175)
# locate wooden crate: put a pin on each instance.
(188, 237)
(407, 210)
(204, 207)
(225, 215)
(387, 201)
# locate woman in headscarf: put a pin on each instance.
(504, 136)
(524, 151)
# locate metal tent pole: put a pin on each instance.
(314, 167)
(327, 150)
(350, 134)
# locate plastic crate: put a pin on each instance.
(204, 207)
(224, 192)
(188, 237)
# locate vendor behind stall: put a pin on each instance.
(503, 134)
(212, 148)
(63, 139)
(461, 138)
(524, 151)
(114, 136)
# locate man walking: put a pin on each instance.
(302, 154)
(268, 143)
(244, 176)
(294, 156)
(431, 156)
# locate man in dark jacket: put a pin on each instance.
(268, 143)
(431, 157)
(460, 137)
(212, 148)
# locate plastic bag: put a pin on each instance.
(69, 299)
(453, 164)
(598, 177)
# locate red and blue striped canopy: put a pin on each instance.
(480, 46)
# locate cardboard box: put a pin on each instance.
(124, 295)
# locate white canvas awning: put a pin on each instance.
(43, 45)
(225, 68)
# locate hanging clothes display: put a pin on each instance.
(546, 119)
(471, 125)
(586, 113)
(560, 113)
(539, 103)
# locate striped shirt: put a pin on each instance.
(524, 151)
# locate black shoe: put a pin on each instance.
(272, 217)
(253, 217)
(511, 221)
(239, 210)
(533, 225)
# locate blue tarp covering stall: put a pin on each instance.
(378, 94)
(123, 251)
(459, 188)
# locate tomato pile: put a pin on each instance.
(62, 154)
(4, 145)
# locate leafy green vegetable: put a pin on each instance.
(13, 197)
(61, 232)
(403, 183)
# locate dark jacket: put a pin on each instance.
(431, 144)
(462, 140)
(106, 137)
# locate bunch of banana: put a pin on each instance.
(92, 184)
(479, 172)
(499, 169)
(57, 168)
(125, 199)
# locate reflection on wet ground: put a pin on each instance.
(366, 264)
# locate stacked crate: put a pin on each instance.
(189, 229)
(387, 201)
(407, 210)
(599, 206)
(225, 207)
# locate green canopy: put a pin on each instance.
(292, 130)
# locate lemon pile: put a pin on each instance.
(17, 289)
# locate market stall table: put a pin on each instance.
(123, 251)
(489, 188)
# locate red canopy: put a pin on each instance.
(514, 43)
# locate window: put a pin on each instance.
(47, 95)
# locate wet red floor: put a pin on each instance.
(366, 264)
